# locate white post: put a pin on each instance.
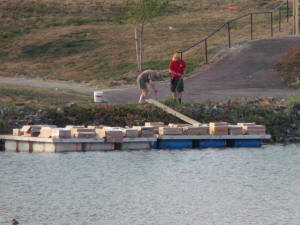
(137, 48)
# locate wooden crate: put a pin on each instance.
(31, 130)
(246, 124)
(17, 132)
(179, 124)
(110, 135)
(145, 131)
(61, 133)
(196, 130)
(46, 132)
(96, 126)
(85, 135)
(75, 132)
(26, 129)
(75, 126)
(218, 130)
(254, 129)
(130, 132)
(235, 130)
(170, 131)
(154, 124)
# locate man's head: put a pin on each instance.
(176, 57)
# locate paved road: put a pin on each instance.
(246, 73)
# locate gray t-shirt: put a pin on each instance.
(147, 75)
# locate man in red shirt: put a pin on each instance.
(177, 69)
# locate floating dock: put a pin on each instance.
(52, 145)
(154, 135)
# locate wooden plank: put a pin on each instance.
(173, 112)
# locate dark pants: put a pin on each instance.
(177, 85)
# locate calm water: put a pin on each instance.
(232, 186)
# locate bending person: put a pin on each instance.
(145, 78)
(177, 69)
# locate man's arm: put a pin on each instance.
(153, 87)
(183, 73)
(171, 71)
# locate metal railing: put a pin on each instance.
(205, 40)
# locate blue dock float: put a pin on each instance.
(154, 144)
(174, 144)
(250, 143)
(211, 143)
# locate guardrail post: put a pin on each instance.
(206, 58)
(271, 24)
(279, 19)
(229, 38)
(287, 11)
(180, 55)
(205, 40)
(251, 27)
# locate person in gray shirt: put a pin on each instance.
(147, 77)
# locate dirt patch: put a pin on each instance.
(288, 67)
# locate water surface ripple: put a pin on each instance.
(258, 186)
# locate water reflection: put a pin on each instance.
(232, 186)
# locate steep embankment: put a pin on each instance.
(93, 41)
(281, 117)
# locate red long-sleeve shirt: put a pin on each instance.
(178, 67)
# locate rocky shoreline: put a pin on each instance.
(280, 116)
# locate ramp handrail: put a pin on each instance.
(227, 23)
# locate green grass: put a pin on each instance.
(169, 101)
(157, 65)
(293, 100)
(59, 48)
(2, 126)
(19, 95)
(6, 33)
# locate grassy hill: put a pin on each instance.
(92, 41)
